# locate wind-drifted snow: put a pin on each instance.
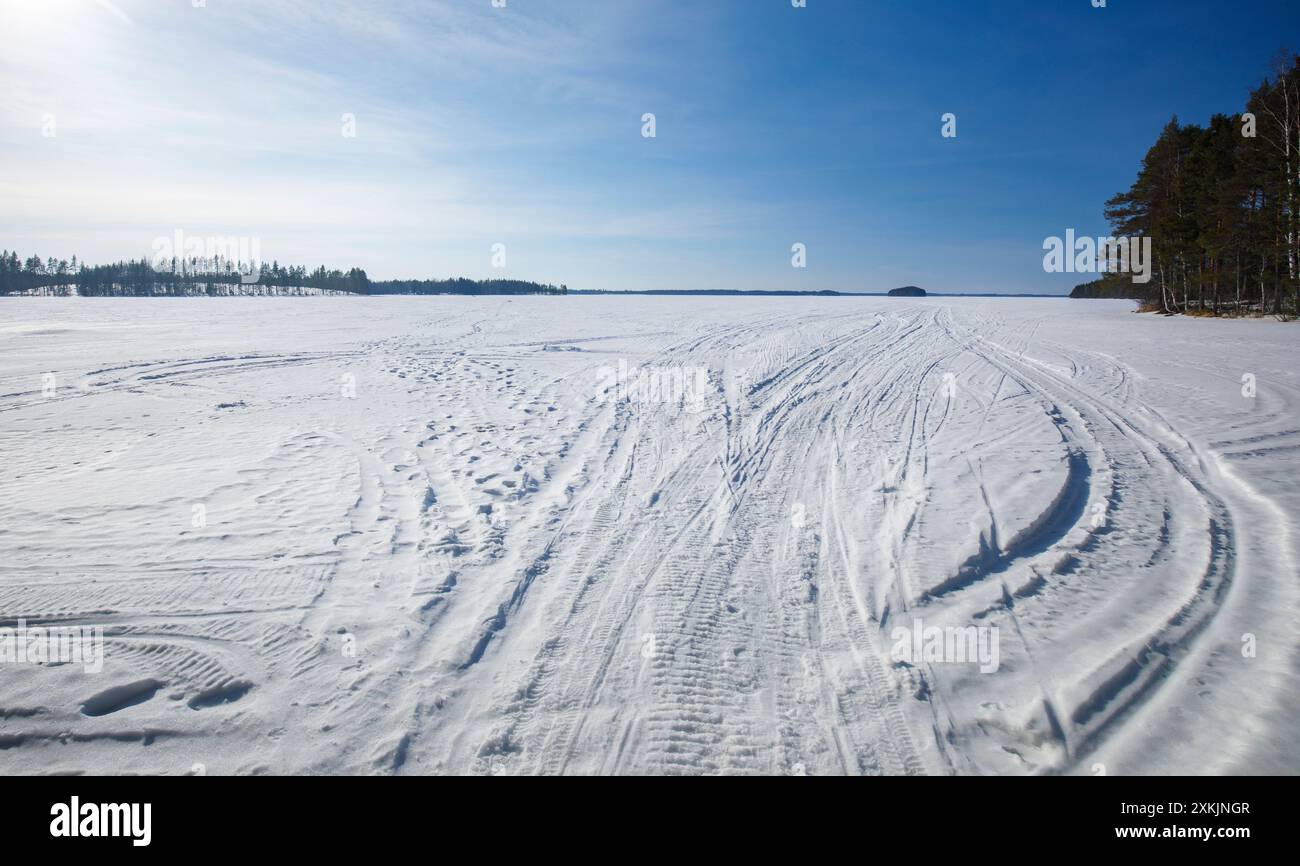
(425, 535)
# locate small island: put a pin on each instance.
(908, 292)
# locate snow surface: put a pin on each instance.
(443, 537)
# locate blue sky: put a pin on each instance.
(522, 126)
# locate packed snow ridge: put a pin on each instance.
(598, 535)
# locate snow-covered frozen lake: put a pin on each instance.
(649, 535)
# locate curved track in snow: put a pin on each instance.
(458, 544)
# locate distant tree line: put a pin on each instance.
(202, 276)
(462, 286)
(1220, 204)
(1111, 287)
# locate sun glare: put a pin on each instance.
(37, 17)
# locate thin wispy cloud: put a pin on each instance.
(776, 126)
(115, 10)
